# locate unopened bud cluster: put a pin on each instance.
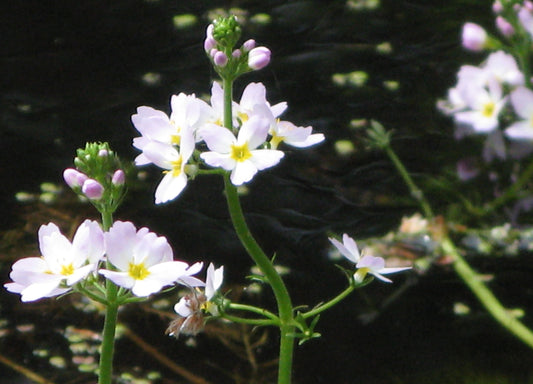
(220, 45)
(97, 176)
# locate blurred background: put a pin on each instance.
(74, 72)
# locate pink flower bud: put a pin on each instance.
(474, 37)
(220, 59)
(103, 152)
(504, 26)
(74, 178)
(92, 189)
(259, 58)
(236, 53)
(119, 177)
(209, 44)
(497, 7)
(248, 45)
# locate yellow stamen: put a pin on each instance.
(138, 271)
(488, 109)
(240, 152)
(67, 270)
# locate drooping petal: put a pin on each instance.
(243, 172)
(170, 187)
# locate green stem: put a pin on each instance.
(463, 269)
(341, 296)
(278, 286)
(485, 295)
(413, 188)
(283, 299)
(513, 191)
(251, 308)
(105, 371)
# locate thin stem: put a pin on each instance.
(105, 372)
(463, 269)
(341, 296)
(278, 286)
(243, 320)
(413, 188)
(251, 308)
(513, 191)
(485, 295)
(281, 293)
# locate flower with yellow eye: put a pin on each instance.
(62, 264)
(144, 261)
(239, 154)
(174, 162)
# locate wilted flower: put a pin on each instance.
(62, 264)
(192, 307)
(144, 261)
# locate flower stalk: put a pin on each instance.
(472, 279)
(285, 308)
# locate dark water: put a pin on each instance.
(72, 72)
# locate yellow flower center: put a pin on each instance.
(243, 117)
(276, 140)
(240, 152)
(176, 167)
(488, 109)
(360, 274)
(67, 270)
(138, 271)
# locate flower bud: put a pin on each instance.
(248, 45)
(74, 178)
(92, 189)
(119, 177)
(209, 42)
(474, 37)
(220, 59)
(504, 26)
(259, 58)
(103, 152)
(226, 31)
(497, 7)
(236, 53)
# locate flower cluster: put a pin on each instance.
(173, 142)
(98, 176)
(137, 260)
(364, 264)
(495, 98)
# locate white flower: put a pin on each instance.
(504, 68)
(213, 280)
(376, 267)
(348, 248)
(484, 106)
(522, 102)
(239, 154)
(144, 261)
(62, 265)
(287, 132)
(173, 161)
(188, 114)
(253, 102)
(364, 264)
